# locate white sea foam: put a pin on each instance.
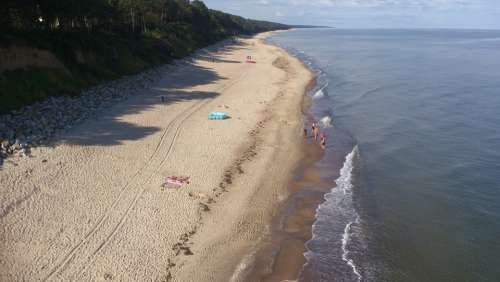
(320, 93)
(344, 182)
(338, 203)
(243, 268)
(346, 238)
(326, 121)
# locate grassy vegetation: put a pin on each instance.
(22, 87)
(88, 60)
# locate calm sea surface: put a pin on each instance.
(416, 113)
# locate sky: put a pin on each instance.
(473, 14)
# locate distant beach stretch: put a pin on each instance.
(151, 187)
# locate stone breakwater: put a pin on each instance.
(33, 125)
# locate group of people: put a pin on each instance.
(316, 133)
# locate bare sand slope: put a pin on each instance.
(92, 208)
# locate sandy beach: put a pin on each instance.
(91, 207)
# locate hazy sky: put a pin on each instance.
(370, 13)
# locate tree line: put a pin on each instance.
(125, 17)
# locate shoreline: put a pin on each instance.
(281, 256)
(92, 207)
(255, 224)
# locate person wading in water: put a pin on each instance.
(315, 130)
(322, 141)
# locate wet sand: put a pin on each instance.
(281, 257)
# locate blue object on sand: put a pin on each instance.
(217, 115)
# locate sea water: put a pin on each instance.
(416, 116)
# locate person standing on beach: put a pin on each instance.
(322, 141)
(313, 130)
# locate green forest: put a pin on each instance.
(98, 40)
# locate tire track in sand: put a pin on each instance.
(84, 252)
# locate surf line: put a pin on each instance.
(320, 93)
(345, 183)
(346, 238)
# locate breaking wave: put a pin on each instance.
(320, 93)
(331, 251)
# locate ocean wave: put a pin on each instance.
(243, 268)
(334, 231)
(326, 121)
(346, 239)
(345, 183)
(320, 93)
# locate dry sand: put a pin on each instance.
(91, 207)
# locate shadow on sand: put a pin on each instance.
(112, 130)
(217, 59)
